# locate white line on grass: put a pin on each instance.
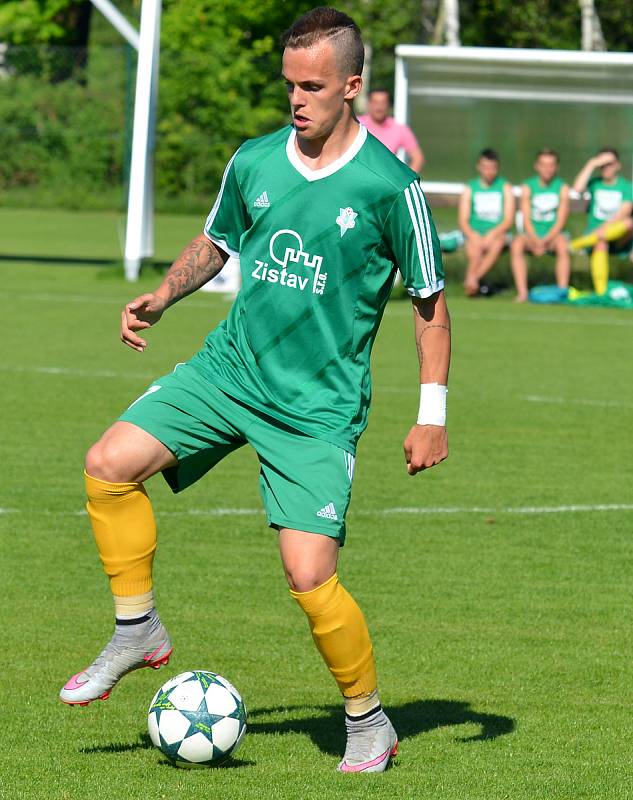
(505, 510)
(135, 376)
(576, 401)
(78, 373)
(88, 299)
(384, 512)
(392, 310)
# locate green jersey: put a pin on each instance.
(606, 199)
(544, 203)
(486, 204)
(318, 254)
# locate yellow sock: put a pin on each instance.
(340, 633)
(125, 533)
(600, 270)
(612, 232)
(584, 242)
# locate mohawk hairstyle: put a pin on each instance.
(325, 23)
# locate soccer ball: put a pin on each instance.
(197, 719)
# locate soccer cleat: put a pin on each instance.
(371, 743)
(145, 644)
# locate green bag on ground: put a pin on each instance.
(618, 295)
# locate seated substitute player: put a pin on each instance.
(321, 215)
(485, 215)
(392, 134)
(545, 208)
(609, 224)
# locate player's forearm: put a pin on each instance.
(433, 338)
(200, 261)
(582, 179)
(623, 214)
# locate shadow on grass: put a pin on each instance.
(80, 261)
(145, 743)
(327, 731)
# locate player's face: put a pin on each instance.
(378, 106)
(317, 90)
(546, 167)
(487, 169)
(610, 170)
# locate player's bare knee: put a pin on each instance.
(305, 577)
(106, 462)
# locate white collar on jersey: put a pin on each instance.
(317, 174)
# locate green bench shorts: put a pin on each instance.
(305, 483)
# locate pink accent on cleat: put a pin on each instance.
(389, 753)
(151, 655)
(160, 662)
(73, 683)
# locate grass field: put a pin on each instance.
(497, 586)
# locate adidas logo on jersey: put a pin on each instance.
(328, 511)
(262, 201)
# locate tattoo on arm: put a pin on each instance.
(426, 328)
(418, 340)
(198, 263)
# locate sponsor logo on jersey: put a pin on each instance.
(544, 206)
(328, 511)
(607, 203)
(299, 270)
(262, 201)
(346, 220)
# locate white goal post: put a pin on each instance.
(542, 97)
(139, 232)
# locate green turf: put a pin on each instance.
(57, 237)
(503, 639)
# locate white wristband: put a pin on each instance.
(432, 404)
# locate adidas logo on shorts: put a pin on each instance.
(262, 201)
(328, 511)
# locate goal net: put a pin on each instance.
(459, 100)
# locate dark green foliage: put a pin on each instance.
(66, 116)
(220, 84)
(67, 134)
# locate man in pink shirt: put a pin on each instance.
(391, 133)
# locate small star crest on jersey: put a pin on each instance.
(346, 220)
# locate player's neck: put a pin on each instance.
(321, 152)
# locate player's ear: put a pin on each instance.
(353, 85)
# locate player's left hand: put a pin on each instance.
(424, 447)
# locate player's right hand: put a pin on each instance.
(143, 312)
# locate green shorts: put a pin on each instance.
(305, 483)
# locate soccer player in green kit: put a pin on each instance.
(545, 208)
(485, 215)
(321, 215)
(609, 223)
